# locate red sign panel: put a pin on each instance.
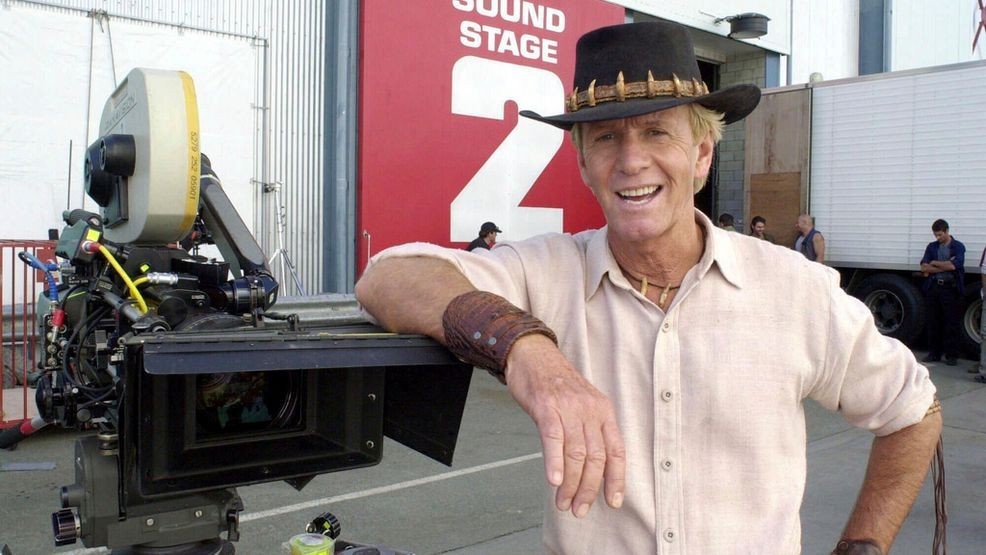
(442, 149)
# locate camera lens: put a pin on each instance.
(245, 402)
(100, 185)
(118, 155)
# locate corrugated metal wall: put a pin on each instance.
(296, 31)
(242, 17)
(290, 37)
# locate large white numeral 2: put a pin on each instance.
(480, 87)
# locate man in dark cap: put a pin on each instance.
(689, 431)
(487, 237)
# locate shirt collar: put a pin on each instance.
(599, 262)
(719, 249)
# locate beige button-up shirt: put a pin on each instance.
(709, 394)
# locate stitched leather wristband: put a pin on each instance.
(857, 547)
(480, 328)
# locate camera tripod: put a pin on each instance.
(281, 253)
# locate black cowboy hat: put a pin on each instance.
(638, 68)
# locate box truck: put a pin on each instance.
(876, 160)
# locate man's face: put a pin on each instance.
(759, 228)
(941, 236)
(642, 172)
(804, 225)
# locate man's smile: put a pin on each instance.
(640, 195)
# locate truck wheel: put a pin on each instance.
(896, 304)
(971, 313)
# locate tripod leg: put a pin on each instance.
(281, 223)
(294, 274)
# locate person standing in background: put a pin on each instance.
(758, 229)
(943, 266)
(810, 242)
(487, 237)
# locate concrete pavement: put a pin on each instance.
(490, 500)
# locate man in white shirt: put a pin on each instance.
(687, 430)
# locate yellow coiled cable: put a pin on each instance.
(126, 279)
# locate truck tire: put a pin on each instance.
(896, 303)
(972, 310)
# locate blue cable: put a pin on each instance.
(47, 268)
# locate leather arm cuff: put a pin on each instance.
(857, 547)
(480, 328)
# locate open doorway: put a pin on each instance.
(706, 199)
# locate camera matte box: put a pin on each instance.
(323, 403)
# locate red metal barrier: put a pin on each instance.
(20, 286)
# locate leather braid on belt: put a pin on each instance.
(481, 327)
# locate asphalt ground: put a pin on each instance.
(490, 500)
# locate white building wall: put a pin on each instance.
(823, 35)
(818, 35)
(825, 40)
(245, 17)
(287, 107)
(922, 34)
(702, 14)
(934, 33)
(58, 82)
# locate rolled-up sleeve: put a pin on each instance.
(873, 380)
(498, 270)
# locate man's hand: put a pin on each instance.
(579, 435)
(581, 442)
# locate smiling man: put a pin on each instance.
(665, 427)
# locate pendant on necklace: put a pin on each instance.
(664, 296)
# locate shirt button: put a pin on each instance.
(666, 396)
(666, 464)
(668, 535)
(666, 326)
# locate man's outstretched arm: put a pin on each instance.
(583, 448)
(896, 470)
(409, 294)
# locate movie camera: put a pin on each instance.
(194, 383)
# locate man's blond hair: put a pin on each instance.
(703, 121)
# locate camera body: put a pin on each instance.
(203, 413)
(193, 381)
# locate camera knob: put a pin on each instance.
(326, 524)
(66, 526)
